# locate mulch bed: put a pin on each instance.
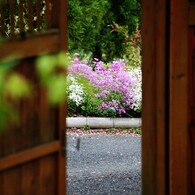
(111, 131)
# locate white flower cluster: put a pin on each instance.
(75, 91)
(136, 74)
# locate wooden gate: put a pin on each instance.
(168, 146)
(32, 155)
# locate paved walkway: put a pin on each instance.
(104, 164)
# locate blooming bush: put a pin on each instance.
(75, 92)
(136, 74)
(115, 90)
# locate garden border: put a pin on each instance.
(100, 122)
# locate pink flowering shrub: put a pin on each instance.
(113, 86)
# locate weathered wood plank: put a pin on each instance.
(30, 182)
(63, 24)
(29, 154)
(149, 100)
(12, 13)
(47, 175)
(48, 13)
(38, 15)
(30, 47)
(178, 160)
(162, 95)
(21, 17)
(30, 15)
(12, 181)
(191, 110)
(2, 18)
(155, 28)
(191, 20)
(62, 6)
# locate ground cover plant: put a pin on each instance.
(114, 90)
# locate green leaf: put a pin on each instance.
(56, 89)
(45, 66)
(17, 86)
(62, 60)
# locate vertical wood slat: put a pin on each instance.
(61, 21)
(38, 15)
(54, 17)
(63, 24)
(62, 171)
(29, 120)
(178, 98)
(161, 47)
(30, 182)
(149, 101)
(191, 111)
(30, 15)
(1, 182)
(63, 46)
(46, 176)
(35, 177)
(44, 116)
(12, 13)
(48, 13)
(21, 16)
(12, 178)
(2, 22)
(154, 105)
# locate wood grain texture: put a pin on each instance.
(12, 19)
(178, 160)
(48, 13)
(31, 152)
(47, 175)
(29, 155)
(148, 103)
(30, 182)
(191, 20)
(2, 19)
(191, 111)
(154, 109)
(30, 47)
(12, 182)
(30, 15)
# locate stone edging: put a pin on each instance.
(100, 122)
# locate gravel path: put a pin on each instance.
(102, 164)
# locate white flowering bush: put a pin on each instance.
(75, 91)
(136, 74)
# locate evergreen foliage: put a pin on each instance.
(102, 27)
(85, 22)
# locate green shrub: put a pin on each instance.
(102, 27)
(132, 54)
(85, 21)
(90, 106)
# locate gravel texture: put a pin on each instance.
(103, 162)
